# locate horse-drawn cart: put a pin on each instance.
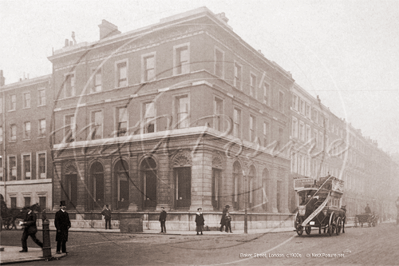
(363, 218)
(320, 205)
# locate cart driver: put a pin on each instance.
(367, 209)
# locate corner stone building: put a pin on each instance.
(180, 114)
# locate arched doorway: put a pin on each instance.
(121, 172)
(97, 186)
(149, 177)
(237, 179)
(71, 188)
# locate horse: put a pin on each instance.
(10, 216)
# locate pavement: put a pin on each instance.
(11, 254)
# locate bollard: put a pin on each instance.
(46, 239)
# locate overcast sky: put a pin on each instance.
(347, 52)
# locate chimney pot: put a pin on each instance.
(107, 29)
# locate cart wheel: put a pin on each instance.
(308, 229)
(299, 230)
(330, 224)
(338, 226)
(297, 225)
(330, 230)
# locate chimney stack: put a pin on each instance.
(2, 79)
(107, 29)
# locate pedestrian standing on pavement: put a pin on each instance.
(162, 219)
(62, 224)
(222, 221)
(107, 216)
(30, 229)
(228, 223)
(199, 220)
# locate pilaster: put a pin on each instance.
(135, 193)
(57, 185)
(164, 183)
(201, 181)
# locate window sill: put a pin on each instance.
(41, 137)
(12, 141)
(24, 108)
(13, 110)
(26, 140)
(41, 105)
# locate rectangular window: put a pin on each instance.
(27, 130)
(26, 170)
(148, 66)
(303, 107)
(42, 202)
(182, 60)
(121, 74)
(218, 111)
(308, 133)
(183, 186)
(70, 128)
(315, 136)
(265, 93)
(301, 131)
(237, 76)
(182, 111)
(97, 81)
(294, 101)
(252, 128)
(13, 132)
(149, 117)
(252, 91)
(281, 101)
(265, 133)
(219, 61)
(69, 85)
(12, 102)
(1, 134)
(97, 125)
(42, 97)
(27, 201)
(294, 127)
(27, 100)
(307, 111)
(122, 121)
(12, 168)
(321, 139)
(42, 128)
(41, 164)
(237, 123)
(13, 202)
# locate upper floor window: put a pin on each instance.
(27, 100)
(70, 128)
(96, 81)
(97, 125)
(294, 127)
(148, 67)
(149, 116)
(41, 164)
(12, 102)
(12, 166)
(26, 166)
(237, 123)
(1, 134)
(121, 70)
(303, 106)
(27, 130)
(281, 101)
(218, 111)
(307, 110)
(294, 102)
(69, 85)
(266, 93)
(42, 128)
(237, 76)
(219, 61)
(252, 128)
(183, 107)
(122, 121)
(265, 133)
(252, 90)
(182, 59)
(42, 97)
(301, 131)
(13, 132)
(308, 133)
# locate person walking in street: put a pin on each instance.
(62, 224)
(162, 219)
(228, 222)
(222, 221)
(107, 216)
(30, 229)
(199, 220)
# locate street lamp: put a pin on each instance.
(245, 203)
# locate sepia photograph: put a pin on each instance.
(177, 132)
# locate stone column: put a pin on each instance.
(57, 191)
(108, 182)
(201, 181)
(135, 195)
(227, 183)
(164, 183)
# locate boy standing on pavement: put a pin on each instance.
(30, 230)
(162, 219)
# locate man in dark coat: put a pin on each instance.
(223, 220)
(199, 220)
(107, 216)
(162, 219)
(62, 224)
(30, 229)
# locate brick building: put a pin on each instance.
(26, 171)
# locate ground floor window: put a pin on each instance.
(279, 205)
(122, 184)
(149, 181)
(43, 202)
(13, 202)
(216, 188)
(71, 191)
(236, 195)
(97, 186)
(183, 186)
(27, 201)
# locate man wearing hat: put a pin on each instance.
(30, 229)
(62, 224)
(199, 221)
(223, 220)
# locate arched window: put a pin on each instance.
(71, 187)
(251, 186)
(121, 171)
(97, 185)
(149, 182)
(236, 193)
(265, 180)
(216, 182)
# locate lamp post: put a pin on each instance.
(46, 236)
(245, 203)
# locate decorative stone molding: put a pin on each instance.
(217, 161)
(70, 168)
(181, 159)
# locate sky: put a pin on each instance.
(345, 51)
